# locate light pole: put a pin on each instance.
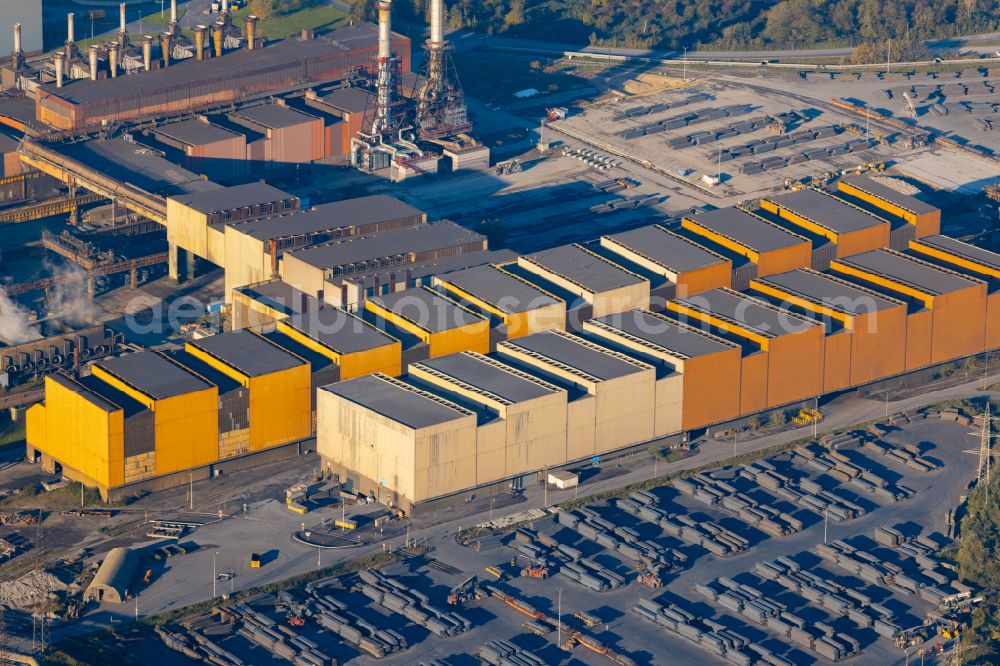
(816, 417)
(685, 64)
(826, 522)
(215, 576)
(492, 502)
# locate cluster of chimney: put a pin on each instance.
(117, 50)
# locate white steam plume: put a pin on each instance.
(15, 325)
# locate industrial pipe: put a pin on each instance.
(113, 58)
(251, 32)
(165, 48)
(384, 29)
(58, 60)
(17, 38)
(92, 52)
(147, 52)
(437, 21)
(217, 38)
(69, 28)
(199, 42)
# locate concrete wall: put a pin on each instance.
(303, 276)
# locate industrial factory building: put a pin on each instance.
(784, 362)
(865, 329)
(691, 267)
(430, 323)
(515, 304)
(311, 269)
(198, 83)
(139, 420)
(588, 278)
(771, 248)
(850, 228)
(948, 310)
(479, 376)
(634, 376)
(925, 218)
(247, 230)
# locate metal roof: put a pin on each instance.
(665, 248)
(349, 100)
(909, 271)
(575, 353)
(114, 576)
(278, 295)
(153, 375)
(273, 116)
(583, 268)
(339, 330)
(398, 401)
(135, 164)
(336, 215)
(500, 289)
(748, 312)
(88, 393)
(964, 250)
(483, 373)
(427, 309)
(886, 193)
(230, 198)
(107, 392)
(828, 211)
(238, 62)
(830, 291)
(195, 132)
(248, 353)
(660, 331)
(385, 244)
(224, 382)
(747, 229)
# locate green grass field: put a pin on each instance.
(12, 433)
(320, 18)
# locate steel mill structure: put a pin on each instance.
(427, 365)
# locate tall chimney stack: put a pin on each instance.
(92, 52)
(16, 55)
(437, 21)
(225, 7)
(384, 29)
(217, 37)
(147, 52)
(113, 58)
(165, 48)
(122, 33)
(173, 11)
(199, 42)
(58, 59)
(71, 49)
(251, 32)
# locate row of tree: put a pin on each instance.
(724, 24)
